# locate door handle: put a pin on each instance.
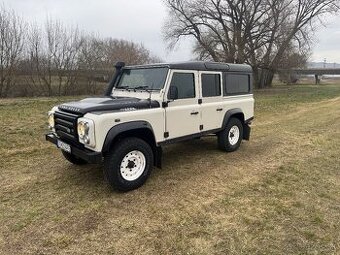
(219, 109)
(194, 113)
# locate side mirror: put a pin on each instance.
(173, 93)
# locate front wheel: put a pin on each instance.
(230, 138)
(128, 164)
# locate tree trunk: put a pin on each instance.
(59, 85)
(263, 78)
(255, 76)
(2, 85)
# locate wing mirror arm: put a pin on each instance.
(173, 93)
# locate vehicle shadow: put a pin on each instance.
(175, 156)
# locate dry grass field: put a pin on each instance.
(279, 194)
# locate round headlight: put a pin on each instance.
(82, 129)
(51, 120)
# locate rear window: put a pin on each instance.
(211, 85)
(235, 84)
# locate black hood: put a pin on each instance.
(102, 104)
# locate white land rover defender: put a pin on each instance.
(148, 106)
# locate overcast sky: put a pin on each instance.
(141, 21)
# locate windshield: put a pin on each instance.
(143, 78)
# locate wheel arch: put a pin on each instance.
(237, 113)
(139, 129)
(233, 113)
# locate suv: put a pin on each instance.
(148, 106)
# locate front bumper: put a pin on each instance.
(85, 154)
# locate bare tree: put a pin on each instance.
(40, 66)
(258, 32)
(11, 48)
(93, 66)
(53, 52)
(294, 58)
(63, 47)
(129, 52)
(53, 59)
(98, 57)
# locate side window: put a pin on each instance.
(185, 84)
(211, 85)
(236, 84)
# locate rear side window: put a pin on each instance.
(235, 84)
(211, 85)
(185, 83)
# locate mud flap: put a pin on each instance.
(246, 132)
(158, 156)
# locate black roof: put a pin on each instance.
(200, 66)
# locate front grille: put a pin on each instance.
(66, 126)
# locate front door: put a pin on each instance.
(183, 114)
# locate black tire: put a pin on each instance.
(113, 162)
(74, 159)
(223, 137)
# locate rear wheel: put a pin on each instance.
(231, 137)
(128, 164)
(73, 159)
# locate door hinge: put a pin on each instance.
(201, 127)
(166, 134)
(165, 104)
(200, 101)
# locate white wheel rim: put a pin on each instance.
(234, 135)
(132, 165)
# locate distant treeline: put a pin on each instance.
(58, 60)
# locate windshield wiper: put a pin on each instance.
(141, 87)
(146, 88)
(124, 87)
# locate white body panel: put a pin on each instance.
(182, 120)
(243, 102)
(211, 114)
(104, 122)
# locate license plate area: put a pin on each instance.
(64, 146)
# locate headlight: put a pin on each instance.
(85, 129)
(51, 120)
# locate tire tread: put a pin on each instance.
(222, 138)
(113, 159)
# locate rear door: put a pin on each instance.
(212, 110)
(182, 115)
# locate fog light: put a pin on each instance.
(87, 140)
